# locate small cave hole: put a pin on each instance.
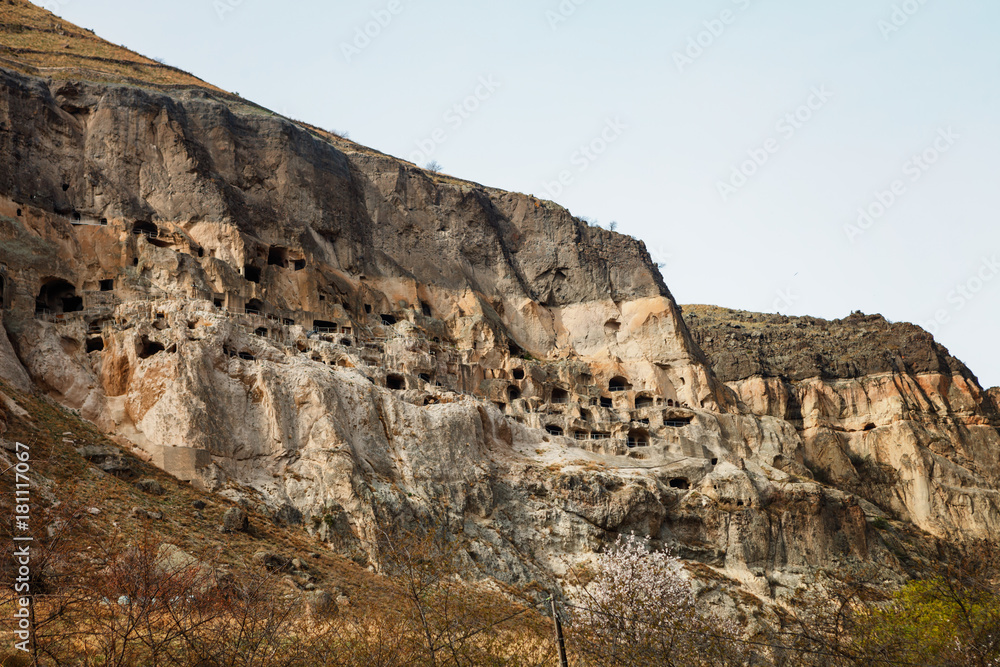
(299, 264)
(148, 348)
(518, 373)
(679, 483)
(513, 393)
(388, 320)
(643, 401)
(107, 285)
(395, 382)
(251, 273)
(552, 429)
(425, 308)
(606, 402)
(95, 344)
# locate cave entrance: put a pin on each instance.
(552, 429)
(251, 273)
(277, 256)
(643, 401)
(145, 228)
(513, 393)
(254, 307)
(638, 437)
(323, 326)
(395, 382)
(57, 296)
(618, 383)
(560, 395)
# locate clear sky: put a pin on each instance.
(737, 138)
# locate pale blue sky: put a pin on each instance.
(776, 243)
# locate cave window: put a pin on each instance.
(19, 213)
(560, 395)
(500, 406)
(65, 187)
(107, 285)
(346, 342)
(513, 393)
(368, 308)
(643, 401)
(618, 383)
(597, 435)
(146, 228)
(277, 256)
(638, 438)
(425, 308)
(612, 326)
(388, 320)
(104, 221)
(246, 356)
(670, 402)
(586, 416)
(287, 322)
(606, 402)
(346, 330)
(679, 483)
(676, 422)
(58, 296)
(251, 273)
(135, 261)
(254, 307)
(552, 429)
(76, 216)
(261, 331)
(148, 348)
(715, 461)
(581, 435)
(324, 326)
(218, 303)
(869, 427)
(518, 373)
(201, 252)
(299, 264)
(424, 377)
(95, 344)
(395, 382)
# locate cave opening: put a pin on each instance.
(395, 382)
(643, 401)
(57, 296)
(144, 227)
(277, 256)
(638, 437)
(560, 395)
(147, 348)
(513, 393)
(95, 344)
(552, 429)
(518, 373)
(617, 383)
(254, 307)
(251, 273)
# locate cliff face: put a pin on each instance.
(865, 394)
(276, 313)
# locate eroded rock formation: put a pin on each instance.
(273, 312)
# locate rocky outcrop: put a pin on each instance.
(866, 394)
(286, 317)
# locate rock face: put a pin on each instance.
(277, 313)
(864, 393)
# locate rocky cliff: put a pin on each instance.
(273, 312)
